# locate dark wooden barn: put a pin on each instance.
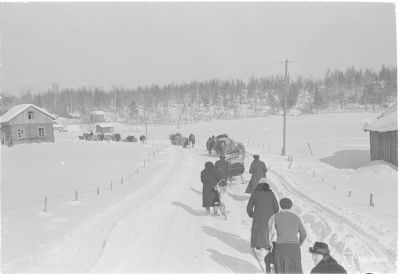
(383, 136)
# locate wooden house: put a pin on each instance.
(27, 123)
(104, 128)
(97, 117)
(383, 136)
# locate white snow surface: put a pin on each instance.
(152, 221)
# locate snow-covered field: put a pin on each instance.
(152, 221)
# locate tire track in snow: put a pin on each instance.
(372, 244)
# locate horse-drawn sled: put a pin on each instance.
(234, 153)
(178, 140)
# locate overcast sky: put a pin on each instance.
(131, 44)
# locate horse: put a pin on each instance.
(142, 139)
(174, 138)
(192, 139)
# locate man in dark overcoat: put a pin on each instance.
(324, 263)
(209, 180)
(257, 170)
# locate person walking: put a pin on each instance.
(261, 206)
(324, 263)
(222, 167)
(209, 180)
(287, 230)
(257, 170)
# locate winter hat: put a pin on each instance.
(263, 180)
(285, 203)
(256, 156)
(209, 165)
(320, 248)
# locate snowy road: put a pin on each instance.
(161, 227)
(169, 232)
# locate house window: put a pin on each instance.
(41, 132)
(30, 115)
(20, 133)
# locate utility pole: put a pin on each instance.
(115, 99)
(283, 150)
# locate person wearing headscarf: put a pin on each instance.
(287, 231)
(209, 180)
(257, 170)
(261, 206)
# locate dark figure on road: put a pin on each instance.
(257, 170)
(142, 139)
(192, 139)
(324, 263)
(287, 231)
(209, 180)
(261, 206)
(222, 167)
(210, 145)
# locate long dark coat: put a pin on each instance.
(209, 180)
(222, 167)
(261, 206)
(328, 265)
(257, 170)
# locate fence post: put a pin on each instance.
(349, 194)
(334, 187)
(371, 200)
(98, 190)
(76, 195)
(111, 186)
(45, 204)
(122, 180)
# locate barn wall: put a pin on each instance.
(97, 118)
(384, 146)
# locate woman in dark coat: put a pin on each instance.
(257, 170)
(261, 206)
(209, 180)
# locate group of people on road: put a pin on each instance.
(277, 232)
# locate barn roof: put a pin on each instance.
(18, 109)
(387, 121)
(104, 125)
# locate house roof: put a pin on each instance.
(18, 109)
(386, 121)
(104, 125)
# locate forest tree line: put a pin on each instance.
(337, 90)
